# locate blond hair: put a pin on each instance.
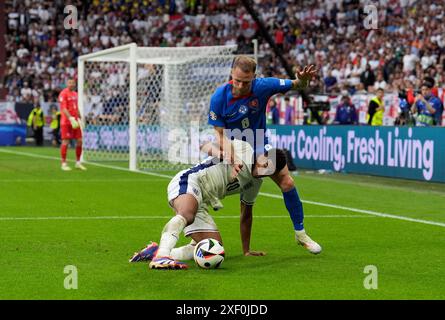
(245, 63)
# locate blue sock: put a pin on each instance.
(295, 208)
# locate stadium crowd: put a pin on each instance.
(407, 46)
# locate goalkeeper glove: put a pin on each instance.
(74, 123)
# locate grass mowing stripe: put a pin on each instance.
(408, 185)
(163, 217)
(374, 213)
(369, 212)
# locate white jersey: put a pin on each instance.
(210, 181)
(216, 181)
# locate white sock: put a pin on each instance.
(170, 235)
(184, 252)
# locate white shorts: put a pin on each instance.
(184, 183)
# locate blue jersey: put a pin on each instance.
(426, 118)
(245, 112)
(346, 114)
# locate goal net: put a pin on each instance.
(148, 106)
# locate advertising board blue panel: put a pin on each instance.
(403, 152)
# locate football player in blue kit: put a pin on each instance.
(238, 110)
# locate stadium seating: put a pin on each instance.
(408, 44)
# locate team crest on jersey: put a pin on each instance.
(243, 109)
(254, 103)
(213, 115)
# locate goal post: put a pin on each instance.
(142, 105)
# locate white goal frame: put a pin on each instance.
(133, 55)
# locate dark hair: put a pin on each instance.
(278, 157)
(428, 82)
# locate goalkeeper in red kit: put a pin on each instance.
(70, 125)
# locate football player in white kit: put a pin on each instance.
(190, 193)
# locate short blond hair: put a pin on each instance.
(245, 63)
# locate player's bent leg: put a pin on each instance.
(290, 196)
(169, 238)
(283, 180)
(295, 208)
(185, 206)
(184, 252)
(203, 227)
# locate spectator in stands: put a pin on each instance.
(55, 125)
(274, 114)
(380, 81)
(376, 108)
(93, 114)
(367, 77)
(330, 82)
(36, 121)
(360, 89)
(427, 106)
(405, 116)
(346, 112)
(289, 112)
(429, 81)
(26, 92)
(38, 46)
(279, 37)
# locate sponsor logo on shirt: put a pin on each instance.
(282, 82)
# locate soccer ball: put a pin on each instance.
(209, 253)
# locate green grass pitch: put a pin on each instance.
(95, 220)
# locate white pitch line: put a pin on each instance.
(270, 195)
(89, 163)
(163, 217)
(77, 180)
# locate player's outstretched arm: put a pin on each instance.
(227, 151)
(246, 229)
(304, 76)
(225, 145)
